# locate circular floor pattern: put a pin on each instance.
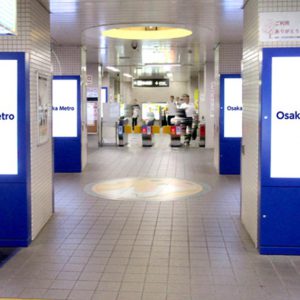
(145, 188)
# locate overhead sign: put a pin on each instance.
(233, 107)
(65, 107)
(9, 117)
(279, 26)
(151, 83)
(285, 120)
(8, 16)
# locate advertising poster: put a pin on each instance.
(43, 103)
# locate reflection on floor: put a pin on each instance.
(192, 248)
(145, 188)
(6, 254)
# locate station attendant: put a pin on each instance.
(171, 109)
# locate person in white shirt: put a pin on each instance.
(135, 113)
(171, 109)
(190, 112)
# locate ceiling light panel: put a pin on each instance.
(147, 33)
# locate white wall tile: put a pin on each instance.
(33, 37)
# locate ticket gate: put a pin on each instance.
(175, 134)
(147, 136)
(122, 134)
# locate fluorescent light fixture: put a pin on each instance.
(113, 69)
(162, 65)
(152, 32)
(127, 75)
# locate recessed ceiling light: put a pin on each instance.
(147, 33)
(113, 69)
(162, 65)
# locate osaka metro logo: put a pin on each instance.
(288, 116)
(6, 117)
(234, 108)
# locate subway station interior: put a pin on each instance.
(149, 149)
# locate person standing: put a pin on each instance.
(189, 111)
(135, 113)
(171, 109)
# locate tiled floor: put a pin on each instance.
(193, 248)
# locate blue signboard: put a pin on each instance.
(279, 231)
(231, 110)
(15, 200)
(66, 113)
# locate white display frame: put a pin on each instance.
(233, 99)
(43, 107)
(9, 158)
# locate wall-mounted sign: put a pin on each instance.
(64, 106)
(9, 117)
(233, 107)
(279, 26)
(151, 83)
(8, 17)
(285, 120)
(43, 104)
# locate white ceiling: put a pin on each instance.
(80, 22)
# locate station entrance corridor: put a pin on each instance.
(191, 248)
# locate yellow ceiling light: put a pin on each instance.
(147, 33)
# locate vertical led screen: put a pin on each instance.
(65, 95)
(9, 117)
(233, 108)
(285, 118)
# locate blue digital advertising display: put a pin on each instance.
(15, 180)
(280, 117)
(279, 207)
(66, 112)
(231, 112)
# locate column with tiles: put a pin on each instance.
(270, 194)
(26, 196)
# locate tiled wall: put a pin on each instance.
(34, 38)
(92, 69)
(208, 104)
(228, 59)
(41, 156)
(126, 92)
(251, 106)
(217, 109)
(66, 60)
(251, 103)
